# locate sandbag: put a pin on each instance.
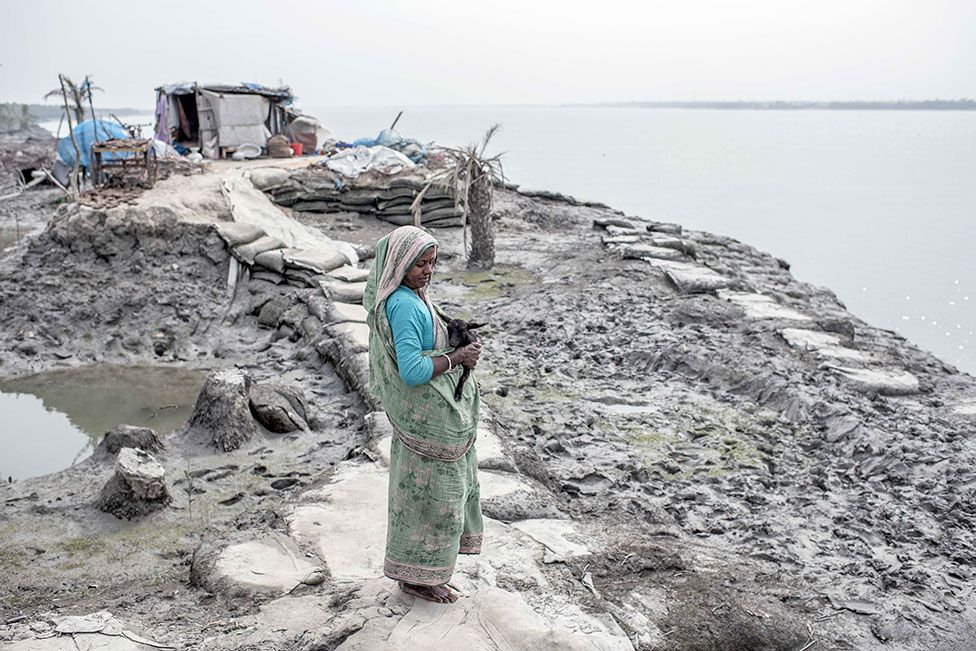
(279, 147)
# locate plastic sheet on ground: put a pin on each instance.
(251, 206)
(353, 162)
(164, 150)
(409, 147)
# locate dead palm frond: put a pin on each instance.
(77, 93)
(465, 167)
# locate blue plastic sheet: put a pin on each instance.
(86, 134)
(410, 148)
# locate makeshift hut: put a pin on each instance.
(219, 118)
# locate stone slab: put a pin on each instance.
(272, 564)
(498, 484)
(670, 242)
(690, 278)
(760, 306)
(965, 409)
(347, 524)
(645, 251)
(621, 239)
(614, 231)
(664, 227)
(823, 344)
(506, 554)
(603, 222)
(295, 614)
(491, 618)
(844, 353)
(808, 339)
(488, 446)
(883, 381)
(559, 536)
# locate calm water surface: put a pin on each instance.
(55, 419)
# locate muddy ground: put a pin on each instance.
(735, 492)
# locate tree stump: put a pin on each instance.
(137, 488)
(479, 217)
(129, 436)
(222, 417)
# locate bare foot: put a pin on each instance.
(436, 593)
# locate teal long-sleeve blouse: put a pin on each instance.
(413, 332)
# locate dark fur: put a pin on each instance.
(459, 335)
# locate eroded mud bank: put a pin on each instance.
(660, 461)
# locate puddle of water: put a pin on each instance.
(55, 419)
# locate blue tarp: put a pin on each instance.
(410, 148)
(85, 136)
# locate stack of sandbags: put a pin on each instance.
(389, 199)
(269, 258)
(437, 206)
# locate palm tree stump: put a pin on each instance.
(482, 254)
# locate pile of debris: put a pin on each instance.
(24, 149)
(389, 198)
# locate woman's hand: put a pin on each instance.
(467, 356)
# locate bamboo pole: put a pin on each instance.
(91, 108)
(71, 132)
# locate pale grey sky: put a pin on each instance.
(416, 52)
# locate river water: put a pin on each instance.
(879, 206)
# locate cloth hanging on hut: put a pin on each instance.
(240, 118)
(162, 118)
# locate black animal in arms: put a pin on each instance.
(459, 335)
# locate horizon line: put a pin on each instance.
(750, 103)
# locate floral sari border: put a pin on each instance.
(433, 450)
(417, 574)
(471, 543)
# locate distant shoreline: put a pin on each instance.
(922, 105)
(42, 112)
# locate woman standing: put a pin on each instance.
(434, 506)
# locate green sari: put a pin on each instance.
(434, 509)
